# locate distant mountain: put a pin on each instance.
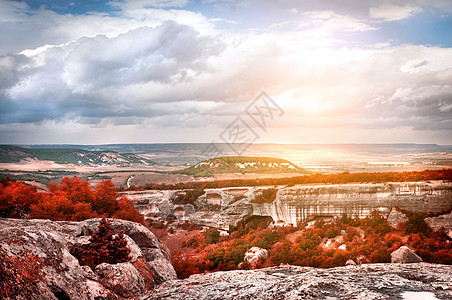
(10, 154)
(241, 164)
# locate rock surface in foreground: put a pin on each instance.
(372, 281)
(36, 263)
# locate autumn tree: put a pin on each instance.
(76, 190)
(105, 202)
(127, 211)
(16, 199)
(73, 200)
(56, 206)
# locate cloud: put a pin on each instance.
(24, 28)
(172, 74)
(334, 21)
(92, 77)
(389, 12)
(137, 4)
(140, 71)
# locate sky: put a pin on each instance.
(171, 71)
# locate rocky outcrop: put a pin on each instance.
(443, 221)
(255, 256)
(36, 261)
(395, 217)
(222, 207)
(404, 255)
(372, 281)
(123, 279)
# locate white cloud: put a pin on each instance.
(138, 4)
(22, 28)
(333, 21)
(389, 12)
(150, 76)
(164, 79)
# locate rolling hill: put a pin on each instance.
(9, 154)
(241, 164)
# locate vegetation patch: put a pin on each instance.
(10, 154)
(106, 246)
(241, 164)
(72, 200)
(266, 196)
(345, 177)
(370, 238)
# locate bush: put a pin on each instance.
(381, 255)
(212, 236)
(189, 197)
(416, 224)
(266, 196)
(105, 247)
(184, 265)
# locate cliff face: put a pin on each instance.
(36, 261)
(373, 281)
(224, 207)
(300, 203)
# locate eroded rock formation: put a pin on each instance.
(36, 261)
(226, 206)
(395, 217)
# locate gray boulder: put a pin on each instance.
(404, 255)
(36, 261)
(350, 262)
(123, 279)
(255, 256)
(395, 217)
(443, 221)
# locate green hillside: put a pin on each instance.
(241, 164)
(10, 154)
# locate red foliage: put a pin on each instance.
(345, 177)
(105, 198)
(56, 206)
(105, 247)
(75, 190)
(370, 238)
(19, 276)
(127, 211)
(16, 199)
(184, 265)
(73, 200)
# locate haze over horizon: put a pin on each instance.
(166, 71)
